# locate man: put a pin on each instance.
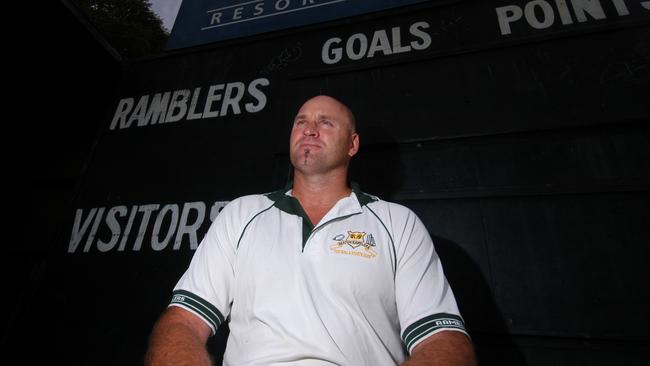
(316, 274)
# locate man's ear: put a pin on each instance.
(354, 144)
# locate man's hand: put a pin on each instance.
(178, 339)
(448, 348)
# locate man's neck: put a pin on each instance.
(317, 194)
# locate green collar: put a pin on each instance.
(292, 206)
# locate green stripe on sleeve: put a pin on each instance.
(202, 307)
(430, 324)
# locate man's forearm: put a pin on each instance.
(447, 348)
(175, 343)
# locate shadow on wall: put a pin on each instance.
(486, 325)
(379, 170)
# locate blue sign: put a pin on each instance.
(205, 21)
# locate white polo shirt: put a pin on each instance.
(363, 287)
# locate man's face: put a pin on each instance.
(322, 138)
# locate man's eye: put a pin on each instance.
(299, 122)
(326, 122)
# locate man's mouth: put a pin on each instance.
(309, 145)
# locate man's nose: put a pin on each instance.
(311, 129)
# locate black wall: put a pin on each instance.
(58, 79)
(525, 155)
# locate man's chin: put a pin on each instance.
(310, 167)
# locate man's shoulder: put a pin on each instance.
(248, 203)
(253, 198)
(393, 208)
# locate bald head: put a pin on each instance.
(335, 105)
(323, 137)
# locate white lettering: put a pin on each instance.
(190, 229)
(212, 97)
(114, 226)
(195, 98)
(363, 46)
(231, 100)
(356, 46)
(506, 15)
(178, 106)
(379, 42)
(93, 231)
(547, 11)
(540, 14)
(259, 9)
(140, 112)
(216, 18)
(166, 226)
(257, 94)
(127, 231)
(123, 109)
(159, 245)
(591, 7)
(78, 230)
(186, 104)
(621, 7)
(331, 55)
(416, 29)
(282, 4)
(563, 9)
(237, 13)
(158, 108)
(146, 210)
(397, 40)
(216, 209)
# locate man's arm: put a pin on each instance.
(178, 339)
(448, 348)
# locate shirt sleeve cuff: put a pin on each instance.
(199, 306)
(419, 330)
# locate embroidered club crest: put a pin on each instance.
(356, 243)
